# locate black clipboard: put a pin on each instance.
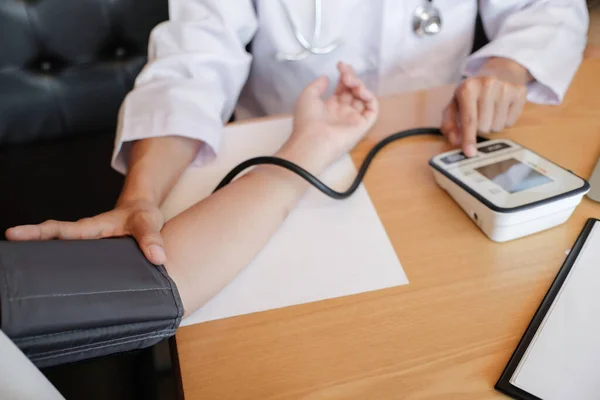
(503, 385)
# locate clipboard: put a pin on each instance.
(530, 339)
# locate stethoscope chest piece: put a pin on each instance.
(427, 20)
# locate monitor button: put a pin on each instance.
(453, 158)
(491, 148)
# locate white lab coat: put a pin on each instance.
(199, 71)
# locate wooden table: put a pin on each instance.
(450, 332)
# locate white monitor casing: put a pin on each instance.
(492, 188)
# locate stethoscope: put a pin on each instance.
(427, 21)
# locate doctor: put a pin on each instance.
(199, 71)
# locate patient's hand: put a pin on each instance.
(329, 128)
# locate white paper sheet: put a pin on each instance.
(325, 249)
(563, 360)
(19, 378)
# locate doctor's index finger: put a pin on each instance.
(467, 95)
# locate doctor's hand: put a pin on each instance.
(331, 127)
(140, 219)
(488, 102)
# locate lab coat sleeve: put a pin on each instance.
(197, 66)
(547, 37)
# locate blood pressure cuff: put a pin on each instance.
(66, 301)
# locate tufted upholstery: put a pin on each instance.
(66, 65)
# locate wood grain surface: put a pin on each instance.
(450, 332)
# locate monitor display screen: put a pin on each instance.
(513, 176)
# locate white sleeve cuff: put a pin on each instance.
(543, 89)
(208, 132)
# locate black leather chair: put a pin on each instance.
(65, 67)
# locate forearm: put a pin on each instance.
(155, 166)
(545, 37)
(211, 242)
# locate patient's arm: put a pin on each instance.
(210, 243)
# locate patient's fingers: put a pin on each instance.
(348, 79)
(356, 85)
(316, 88)
(345, 98)
(352, 83)
(358, 105)
(353, 92)
(363, 93)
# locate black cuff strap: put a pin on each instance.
(65, 301)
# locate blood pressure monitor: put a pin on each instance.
(508, 190)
